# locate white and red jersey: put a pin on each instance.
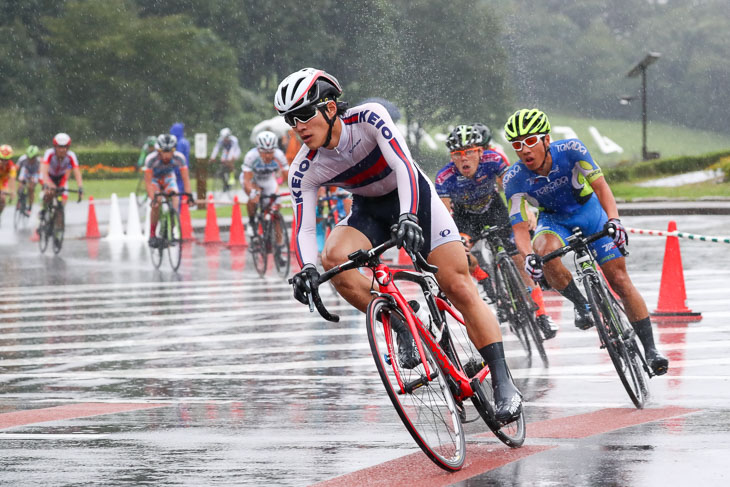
(371, 160)
(56, 167)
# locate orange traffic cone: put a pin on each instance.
(672, 305)
(212, 234)
(186, 222)
(237, 234)
(92, 226)
(34, 237)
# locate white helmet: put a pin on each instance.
(266, 140)
(166, 142)
(226, 132)
(62, 140)
(305, 87)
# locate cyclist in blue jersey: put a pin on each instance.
(361, 150)
(469, 187)
(568, 187)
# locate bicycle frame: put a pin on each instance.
(385, 279)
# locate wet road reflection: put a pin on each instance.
(215, 376)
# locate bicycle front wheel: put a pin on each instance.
(45, 230)
(258, 248)
(522, 303)
(281, 252)
(161, 234)
(59, 226)
(174, 239)
(426, 408)
(623, 353)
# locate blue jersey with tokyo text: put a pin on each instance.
(472, 195)
(564, 190)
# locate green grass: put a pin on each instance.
(630, 191)
(668, 140)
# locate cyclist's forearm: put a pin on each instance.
(522, 238)
(77, 175)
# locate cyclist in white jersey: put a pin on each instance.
(362, 151)
(230, 152)
(260, 169)
(56, 166)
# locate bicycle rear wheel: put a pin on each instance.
(623, 352)
(427, 409)
(281, 252)
(59, 225)
(174, 240)
(523, 304)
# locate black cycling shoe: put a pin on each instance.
(548, 327)
(659, 363)
(507, 403)
(154, 242)
(407, 350)
(583, 317)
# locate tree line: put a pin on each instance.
(120, 69)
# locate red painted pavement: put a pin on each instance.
(598, 422)
(417, 470)
(69, 411)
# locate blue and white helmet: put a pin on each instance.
(266, 140)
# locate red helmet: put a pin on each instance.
(6, 152)
(61, 140)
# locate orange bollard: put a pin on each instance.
(212, 234)
(92, 225)
(237, 235)
(672, 305)
(186, 221)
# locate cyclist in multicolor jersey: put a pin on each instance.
(469, 186)
(29, 170)
(361, 150)
(8, 172)
(342, 203)
(563, 181)
(259, 171)
(159, 177)
(57, 164)
(230, 152)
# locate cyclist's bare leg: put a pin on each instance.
(154, 215)
(454, 279)
(351, 285)
(557, 275)
(617, 275)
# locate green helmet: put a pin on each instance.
(32, 151)
(526, 122)
(463, 136)
(151, 140)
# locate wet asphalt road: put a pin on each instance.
(112, 373)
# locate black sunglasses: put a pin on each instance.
(303, 115)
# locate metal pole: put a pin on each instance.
(644, 154)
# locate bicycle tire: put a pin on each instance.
(508, 313)
(161, 234)
(281, 252)
(59, 227)
(19, 215)
(607, 331)
(44, 233)
(524, 311)
(631, 354)
(258, 248)
(428, 412)
(174, 241)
